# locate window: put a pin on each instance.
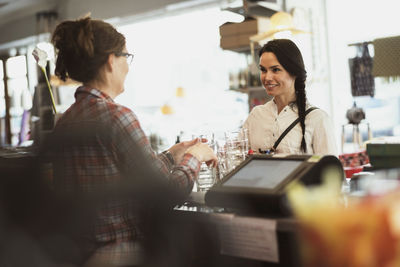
(182, 51)
(18, 93)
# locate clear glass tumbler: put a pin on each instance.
(237, 147)
(207, 175)
(223, 167)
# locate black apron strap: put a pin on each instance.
(290, 128)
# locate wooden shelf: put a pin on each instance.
(256, 9)
(256, 89)
(248, 89)
(244, 49)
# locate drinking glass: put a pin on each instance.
(237, 147)
(207, 175)
(223, 167)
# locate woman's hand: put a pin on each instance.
(178, 150)
(203, 153)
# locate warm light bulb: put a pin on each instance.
(167, 109)
(180, 92)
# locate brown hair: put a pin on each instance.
(83, 47)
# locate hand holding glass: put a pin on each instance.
(207, 174)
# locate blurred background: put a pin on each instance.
(194, 72)
(189, 75)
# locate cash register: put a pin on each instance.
(258, 185)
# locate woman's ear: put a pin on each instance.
(110, 62)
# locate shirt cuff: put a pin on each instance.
(169, 157)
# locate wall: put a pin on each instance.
(182, 51)
(309, 15)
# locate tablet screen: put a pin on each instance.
(264, 174)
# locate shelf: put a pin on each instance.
(244, 49)
(256, 9)
(248, 89)
(256, 88)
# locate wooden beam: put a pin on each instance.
(7, 102)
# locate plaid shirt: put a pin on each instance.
(97, 165)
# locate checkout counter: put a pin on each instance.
(245, 219)
(220, 237)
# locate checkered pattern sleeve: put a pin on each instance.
(99, 146)
(130, 134)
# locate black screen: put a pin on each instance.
(259, 173)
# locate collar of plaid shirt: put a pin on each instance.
(93, 91)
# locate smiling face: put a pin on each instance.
(275, 79)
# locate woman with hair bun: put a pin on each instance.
(283, 75)
(110, 149)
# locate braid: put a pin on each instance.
(299, 86)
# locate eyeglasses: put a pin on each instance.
(129, 57)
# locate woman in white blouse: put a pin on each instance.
(283, 76)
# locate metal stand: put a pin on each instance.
(357, 137)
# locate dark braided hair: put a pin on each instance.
(289, 56)
(83, 47)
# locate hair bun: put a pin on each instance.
(85, 36)
(83, 47)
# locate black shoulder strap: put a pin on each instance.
(290, 128)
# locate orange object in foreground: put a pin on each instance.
(336, 230)
(364, 234)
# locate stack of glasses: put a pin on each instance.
(231, 151)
